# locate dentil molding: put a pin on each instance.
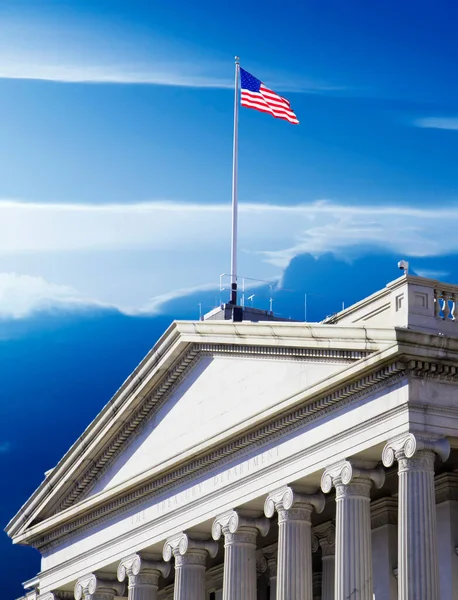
(57, 595)
(310, 411)
(156, 398)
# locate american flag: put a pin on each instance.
(256, 95)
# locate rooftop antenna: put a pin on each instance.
(234, 186)
(404, 266)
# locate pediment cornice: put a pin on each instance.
(312, 409)
(348, 346)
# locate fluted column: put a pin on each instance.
(353, 566)
(272, 567)
(92, 587)
(240, 532)
(317, 584)
(190, 560)
(326, 535)
(294, 570)
(418, 572)
(143, 575)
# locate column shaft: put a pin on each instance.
(240, 565)
(294, 575)
(418, 573)
(328, 577)
(190, 576)
(353, 567)
(143, 587)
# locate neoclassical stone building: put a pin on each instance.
(267, 460)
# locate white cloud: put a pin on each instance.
(157, 303)
(95, 51)
(171, 75)
(450, 123)
(22, 295)
(431, 273)
(168, 74)
(136, 257)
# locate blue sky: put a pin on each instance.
(115, 182)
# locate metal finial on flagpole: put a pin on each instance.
(234, 186)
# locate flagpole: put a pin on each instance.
(234, 186)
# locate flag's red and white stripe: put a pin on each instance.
(268, 101)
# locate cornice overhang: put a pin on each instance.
(371, 350)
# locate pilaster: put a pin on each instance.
(353, 566)
(446, 486)
(418, 569)
(384, 518)
(240, 533)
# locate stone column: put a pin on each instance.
(418, 572)
(447, 533)
(384, 518)
(166, 593)
(353, 567)
(262, 584)
(240, 532)
(271, 558)
(190, 559)
(326, 535)
(317, 584)
(216, 577)
(95, 587)
(294, 571)
(143, 574)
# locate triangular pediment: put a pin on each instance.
(200, 382)
(220, 392)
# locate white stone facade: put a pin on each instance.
(267, 461)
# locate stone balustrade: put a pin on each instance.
(410, 301)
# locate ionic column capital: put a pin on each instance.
(344, 473)
(286, 498)
(232, 522)
(92, 587)
(135, 564)
(186, 549)
(407, 445)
